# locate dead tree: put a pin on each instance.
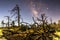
(17, 10)
(47, 30)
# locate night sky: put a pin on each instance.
(31, 8)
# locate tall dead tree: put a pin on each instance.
(17, 10)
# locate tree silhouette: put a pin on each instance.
(2, 23)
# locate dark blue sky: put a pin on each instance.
(28, 7)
